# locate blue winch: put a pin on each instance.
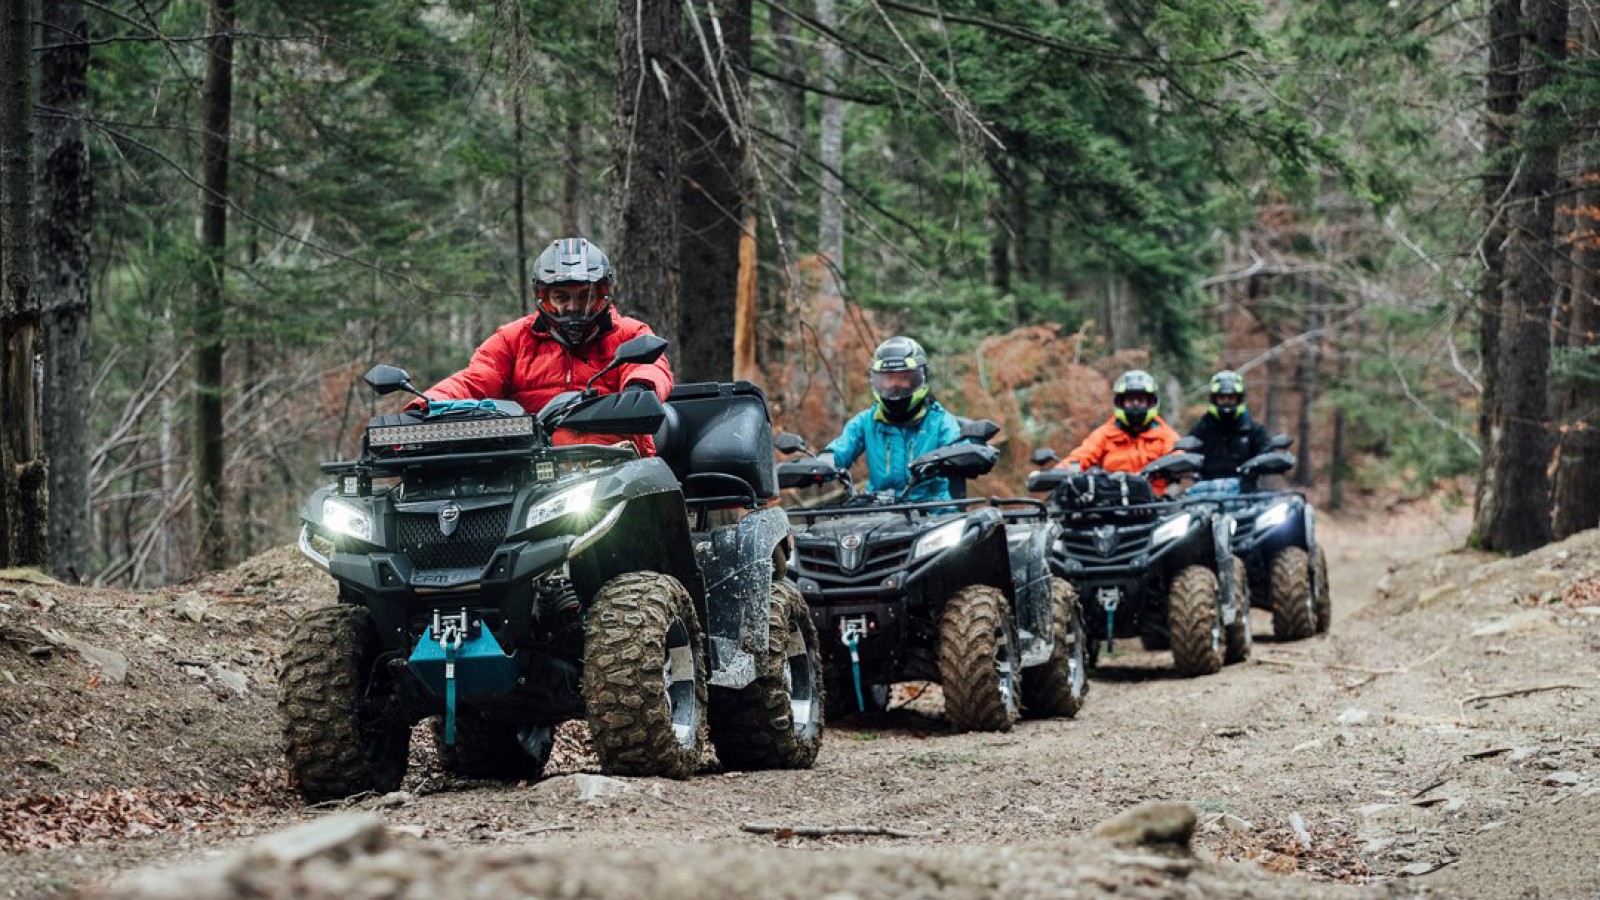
(458, 656)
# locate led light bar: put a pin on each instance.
(442, 432)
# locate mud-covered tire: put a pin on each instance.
(1238, 638)
(1057, 688)
(1324, 604)
(333, 744)
(978, 660)
(1294, 614)
(487, 749)
(644, 677)
(775, 722)
(1196, 629)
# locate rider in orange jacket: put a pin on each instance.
(1133, 437)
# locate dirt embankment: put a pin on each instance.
(1442, 741)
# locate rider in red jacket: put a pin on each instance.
(559, 348)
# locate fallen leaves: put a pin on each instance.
(62, 820)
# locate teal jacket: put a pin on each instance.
(890, 448)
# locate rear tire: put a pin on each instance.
(644, 677)
(1057, 688)
(1238, 638)
(775, 722)
(1324, 594)
(1196, 629)
(978, 660)
(1294, 614)
(485, 748)
(333, 741)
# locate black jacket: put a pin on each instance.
(1227, 445)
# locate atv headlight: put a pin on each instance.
(1171, 529)
(576, 499)
(942, 538)
(1275, 515)
(347, 519)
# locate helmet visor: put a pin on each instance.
(1135, 400)
(571, 300)
(898, 385)
(1227, 401)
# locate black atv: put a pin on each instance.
(1160, 570)
(1050, 628)
(501, 585)
(1275, 536)
(906, 591)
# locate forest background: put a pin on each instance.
(214, 218)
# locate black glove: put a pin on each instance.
(637, 386)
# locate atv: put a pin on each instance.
(1161, 570)
(500, 584)
(908, 591)
(1275, 536)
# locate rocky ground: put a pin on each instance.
(1441, 741)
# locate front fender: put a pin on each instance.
(737, 563)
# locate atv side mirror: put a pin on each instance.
(1044, 456)
(955, 461)
(1280, 442)
(978, 430)
(1173, 465)
(1189, 444)
(1275, 462)
(805, 473)
(639, 351)
(1046, 480)
(789, 442)
(388, 379)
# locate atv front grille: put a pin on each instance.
(874, 563)
(1108, 545)
(478, 532)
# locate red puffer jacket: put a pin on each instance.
(522, 362)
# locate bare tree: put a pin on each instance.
(65, 182)
(830, 213)
(24, 497)
(210, 307)
(647, 173)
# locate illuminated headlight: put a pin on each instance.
(1175, 527)
(1275, 515)
(942, 538)
(439, 432)
(347, 519)
(572, 500)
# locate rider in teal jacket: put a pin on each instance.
(903, 424)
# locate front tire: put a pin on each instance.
(1058, 687)
(1238, 638)
(978, 660)
(1294, 612)
(1196, 628)
(335, 739)
(644, 677)
(775, 722)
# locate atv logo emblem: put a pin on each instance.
(850, 551)
(1105, 539)
(449, 518)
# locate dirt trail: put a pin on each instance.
(1371, 737)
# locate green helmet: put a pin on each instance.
(899, 376)
(1227, 396)
(1136, 399)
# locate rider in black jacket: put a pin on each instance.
(1228, 435)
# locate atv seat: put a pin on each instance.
(717, 438)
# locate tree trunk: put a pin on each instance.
(574, 213)
(1344, 348)
(24, 497)
(645, 143)
(830, 205)
(1501, 99)
(1305, 470)
(211, 305)
(64, 187)
(1577, 486)
(1514, 516)
(712, 139)
(789, 105)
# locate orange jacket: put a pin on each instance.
(1115, 450)
(522, 362)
